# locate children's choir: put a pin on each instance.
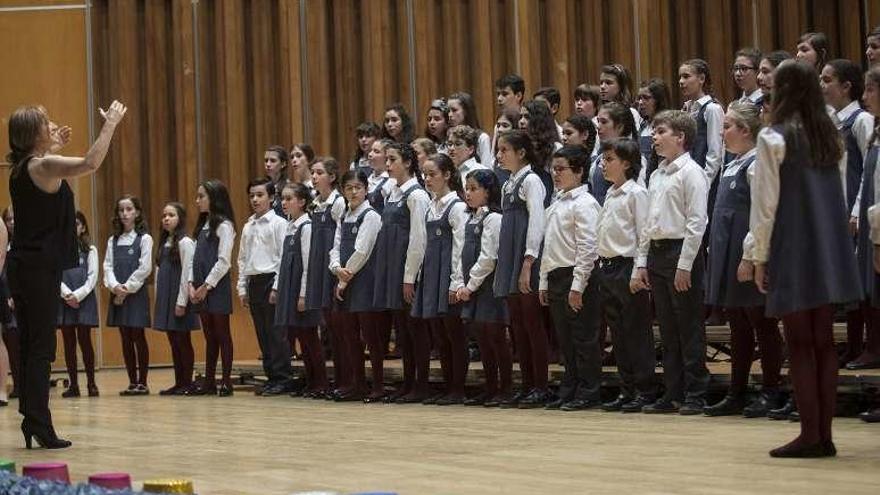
(604, 218)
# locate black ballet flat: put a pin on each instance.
(4, 403)
(224, 391)
(802, 451)
(71, 392)
(93, 390)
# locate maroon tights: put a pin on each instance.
(136, 354)
(313, 357)
(745, 324)
(183, 357)
(218, 342)
(70, 335)
(495, 353)
(453, 352)
(531, 339)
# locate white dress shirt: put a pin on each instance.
(714, 116)
(677, 198)
(418, 203)
(363, 243)
(484, 149)
(145, 262)
(572, 221)
(226, 236)
(305, 244)
(622, 221)
(488, 257)
(334, 201)
(467, 167)
(765, 192)
(374, 180)
(862, 129)
(91, 278)
(186, 248)
(458, 218)
(874, 210)
(532, 192)
(259, 252)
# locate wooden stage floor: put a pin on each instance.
(254, 445)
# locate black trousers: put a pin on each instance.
(35, 293)
(274, 345)
(578, 334)
(682, 328)
(629, 317)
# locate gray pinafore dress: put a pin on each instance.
(512, 245)
(432, 291)
(87, 313)
(167, 287)
(358, 295)
(134, 312)
(289, 281)
(320, 282)
(392, 245)
(219, 299)
(483, 306)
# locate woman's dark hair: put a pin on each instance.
(444, 165)
(487, 179)
(622, 116)
(469, 107)
(578, 158)
(25, 126)
(587, 92)
(543, 132)
(519, 140)
(660, 93)
(219, 206)
(356, 175)
(407, 132)
(262, 181)
(819, 43)
(283, 157)
(776, 57)
(700, 66)
(140, 224)
(407, 154)
(441, 106)
(365, 129)
(584, 124)
(469, 135)
(624, 82)
(511, 115)
(798, 106)
(627, 150)
(178, 234)
(300, 191)
(84, 240)
(847, 71)
(306, 149)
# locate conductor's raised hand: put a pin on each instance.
(113, 115)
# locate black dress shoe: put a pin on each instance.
(477, 400)
(801, 451)
(375, 397)
(129, 391)
(170, 391)
(761, 406)
(201, 389)
(72, 391)
(616, 404)
(662, 406)
(274, 389)
(352, 396)
(870, 416)
(431, 400)
(536, 399)
(692, 407)
(450, 400)
(4, 403)
(785, 411)
(829, 448)
(512, 401)
(554, 404)
(637, 404)
(225, 390)
(729, 406)
(496, 400)
(863, 365)
(46, 439)
(580, 405)
(411, 398)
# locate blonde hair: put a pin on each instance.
(746, 116)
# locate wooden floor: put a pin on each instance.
(255, 445)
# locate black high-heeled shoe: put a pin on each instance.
(47, 440)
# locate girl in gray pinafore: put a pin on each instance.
(437, 285)
(290, 287)
(172, 312)
(803, 251)
(484, 312)
(78, 312)
(352, 260)
(127, 265)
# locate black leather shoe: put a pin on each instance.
(353, 396)
(431, 400)
(554, 404)
(662, 406)
(512, 401)
(692, 407)
(580, 405)
(785, 411)
(536, 399)
(201, 389)
(375, 397)
(616, 404)
(729, 406)
(829, 448)
(870, 416)
(225, 390)
(450, 400)
(169, 391)
(72, 391)
(496, 400)
(477, 400)
(761, 406)
(411, 398)
(274, 389)
(637, 404)
(46, 439)
(863, 365)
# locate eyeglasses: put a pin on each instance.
(452, 143)
(351, 188)
(741, 68)
(559, 170)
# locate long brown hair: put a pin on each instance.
(799, 108)
(25, 127)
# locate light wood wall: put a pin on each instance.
(210, 86)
